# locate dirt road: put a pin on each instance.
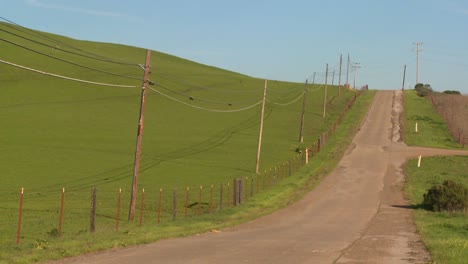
(356, 215)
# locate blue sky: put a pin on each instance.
(281, 40)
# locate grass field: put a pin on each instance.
(444, 234)
(58, 133)
(432, 129)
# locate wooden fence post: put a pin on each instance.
(220, 196)
(92, 227)
(117, 217)
(20, 216)
(174, 205)
(61, 211)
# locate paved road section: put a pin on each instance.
(356, 215)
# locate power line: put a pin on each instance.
(47, 38)
(191, 97)
(66, 77)
(202, 108)
(70, 62)
(286, 104)
(58, 48)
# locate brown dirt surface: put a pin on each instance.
(356, 215)
(454, 110)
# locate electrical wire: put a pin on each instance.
(47, 38)
(191, 97)
(70, 62)
(202, 108)
(66, 77)
(54, 47)
(286, 104)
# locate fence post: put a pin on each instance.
(159, 205)
(142, 205)
(306, 156)
(211, 198)
(200, 200)
(220, 196)
(61, 211)
(186, 202)
(92, 227)
(228, 196)
(174, 205)
(20, 216)
(251, 186)
(117, 217)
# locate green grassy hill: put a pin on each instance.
(59, 133)
(62, 133)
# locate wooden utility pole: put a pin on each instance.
(261, 128)
(325, 95)
(339, 75)
(347, 71)
(404, 75)
(418, 44)
(313, 80)
(131, 213)
(333, 78)
(304, 101)
(355, 66)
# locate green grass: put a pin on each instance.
(58, 133)
(287, 191)
(432, 129)
(444, 234)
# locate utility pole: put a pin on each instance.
(347, 71)
(404, 76)
(333, 77)
(339, 75)
(355, 66)
(325, 95)
(418, 44)
(261, 128)
(301, 137)
(131, 213)
(313, 80)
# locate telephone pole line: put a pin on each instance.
(313, 80)
(347, 72)
(261, 128)
(418, 44)
(339, 75)
(325, 95)
(404, 76)
(355, 66)
(131, 213)
(301, 136)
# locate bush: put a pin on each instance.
(449, 196)
(423, 89)
(452, 92)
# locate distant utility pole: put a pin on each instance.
(313, 80)
(418, 49)
(347, 71)
(131, 213)
(301, 135)
(355, 66)
(325, 95)
(404, 75)
(339, 75)
(261, 128)
(333, 78)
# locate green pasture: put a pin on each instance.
(444, 234)
(58, 133)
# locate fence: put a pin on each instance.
(82, 211)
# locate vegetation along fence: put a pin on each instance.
(75, 211)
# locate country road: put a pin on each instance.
(356, 215)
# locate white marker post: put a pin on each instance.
(306, 156)
(416, 127)
(419, 161)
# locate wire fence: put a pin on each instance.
(97, 210)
